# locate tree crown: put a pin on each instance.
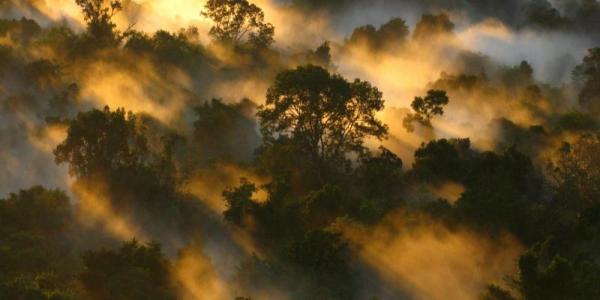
(324, 113)
(238, 21)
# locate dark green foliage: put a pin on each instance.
(540, 13)
(577, 173)
(381, 173)
(325, 115)
(545, 274)
(36, 210)
(34, 245)
(529, 140)
(443, 159)
(133, 271)
(587, 74)
(100, 141)
(315, 127)
(379, 178)
(306, 261)
(323, 206)
(285, 161)
(40, 286)
(501, 191)
(108, 152)
(321, 256)
(239, 202)
(226, 131)
(577, 121)
(169, 48)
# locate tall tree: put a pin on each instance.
(587, 74)
(100, 28)
(238, 22)
(577, 172)
(323, 113)
(132, 272)
(391, 34)
(101, 140)
(425, 108)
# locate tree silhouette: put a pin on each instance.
(576, 172)
(432, 25)
(324, 114)
(101, 140)
(237, 22)
(98, 15)
(392, 33)
(587, 74)
(425, 109)
(134, 271)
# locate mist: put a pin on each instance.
(170, 138)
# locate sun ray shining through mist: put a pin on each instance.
(299, 149)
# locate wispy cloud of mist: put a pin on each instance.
(431, 262)
(423, 258)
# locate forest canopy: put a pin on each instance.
(302, 149)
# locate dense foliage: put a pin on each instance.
(309, 161)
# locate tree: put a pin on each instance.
(98, 14)
(321, 56)
(238, 21)
(325, 115)
(322, 256)
(502, 192)
(443, 159)
(392, 33)
(546, 274)
(365, 35)
(431, 26)
(425, 109)
(576, 172)
(36, 235)
(98, 140)
(226, 130)
(577, 121)
(379, 174)
(395, 30)
(165, 47)
(518, 76)
(134, 271)
(35, 210)
(239, 202)
(587, 74)
(544, 15)
(102, 140)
